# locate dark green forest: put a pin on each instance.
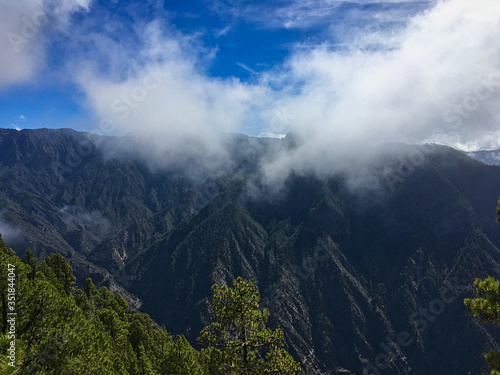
(344, 273)
(51, 326)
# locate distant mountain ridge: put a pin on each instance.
(491, 157)
(361, 281)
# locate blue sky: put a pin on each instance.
(386, 70)
(245, 38)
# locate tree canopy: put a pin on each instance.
(486, 308)
(238, 342)
(62, 329)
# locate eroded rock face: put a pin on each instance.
(367, 280)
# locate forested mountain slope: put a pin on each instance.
(356, 277)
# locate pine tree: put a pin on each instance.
(64, 330)
(238, 342)
(486, 308)
(59, 272)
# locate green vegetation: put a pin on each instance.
(498, 211)
(61, 329)
(486, 308)
(238, 342)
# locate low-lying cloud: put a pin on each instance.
(168, 108)
(93, 221)
(431, 77)
(10, 234)
(436, 81)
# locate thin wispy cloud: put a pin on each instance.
(246, 67)
(316, 14)
(10, 234)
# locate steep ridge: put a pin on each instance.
(356, 277)
(342, 275)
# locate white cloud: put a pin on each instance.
(430, 77)
(9, 232)
(22, 118)
(246, 67)
(271, 135)
(164, 102)
(223, 31)
(408, 89)
(90, 221)
(436, 80)
(23, 24)
(305, 14)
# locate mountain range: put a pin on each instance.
(364, 278)
(490, 157)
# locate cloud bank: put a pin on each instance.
(438, 80)
(162, 99)
(429, 77)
